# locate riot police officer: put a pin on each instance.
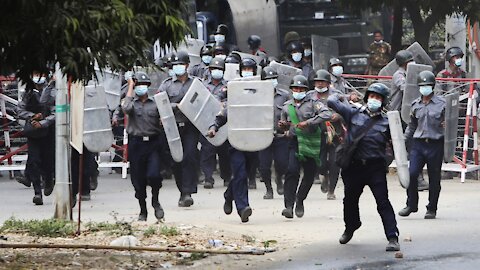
(335, 67)
(146, 141)
(254, 44)
(426, 132)
(278, 150)
(300, 119)
(221, 37)
(201, 70)
(295, 55)
(217, 86)
(37, 108)
(367, 166)
(185, 172)
(454, 57)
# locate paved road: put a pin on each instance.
(449, 242)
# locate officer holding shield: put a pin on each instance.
(146, 142)
(426, 133)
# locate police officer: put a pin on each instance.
(300, 118)
(295, 55)
(185, 172)
(217, 86)
(238, 187)
(426, 132)
(220, 50)
(454, 57)
(37, 108)
(368, 164)
(146, 141)
(221, 37)
(278, 150)
(380, 52)
(254, 44)
(335, 67)
(201, 70)
(332, 133)
(307, 50)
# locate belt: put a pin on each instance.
(143, 138)
(428, 140)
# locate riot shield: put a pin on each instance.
(232, 71)
(193, 47)
(285, 74)
(419, 54)
(112, 84)
(411, 89)
(399, 148)
(169, 125)
(250, 114)
(323, 48)
(248, 79)
(201, 107)
(97, 128)
(451, 126)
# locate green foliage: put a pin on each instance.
(46, 227)
(169, 231)
(118, 228)
(150, 231)
(79, 33)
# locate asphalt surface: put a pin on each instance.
(449, 242)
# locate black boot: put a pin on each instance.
(269, 194)
(279, 182)
(37, 199)
(252, 184)
(94, 180)
(143, 210)
(159, 213)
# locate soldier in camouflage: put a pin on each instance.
(380, 54)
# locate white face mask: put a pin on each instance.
(206, 59)
(221, 56)
(337, 70)
(179, 70)
(219, 38)
(39, 80)
(247, 73)
(458, 62)
(217, 74)
(321, 90)
(426, 90)
(296, 57)
(307, 52)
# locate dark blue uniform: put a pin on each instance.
(367, 168)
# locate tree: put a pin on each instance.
(425, 14)
(35, 34)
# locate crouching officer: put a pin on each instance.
(368, 165)
(146, 142)
(300, 118)
(426, 132)
(185, 172)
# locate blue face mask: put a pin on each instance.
(458, 62)
(39, 80)
(217, 74)
(426, 90)
(247, 73)
(141, 90)
(374, 104)
(299, 95)
(219, 38)
(275, 83)
(179, 70)
(307, 52)
(296, 57)
(206, 59)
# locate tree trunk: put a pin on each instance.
(397, 31)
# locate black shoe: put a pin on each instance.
(268, 195)
(47, 191)
(208, 185)
(299, 209)
(23, 180)
(323, 184)
(347, 235)
(431, 214)
(159, 213)
(393, 244)
(94, 181)
(227, 206)
(185, 201)
(142, 216)
(405, 212)
(279, 183)
(252, 185)
(86, 197)
(245, 213)
(37, 199)
(287, 212)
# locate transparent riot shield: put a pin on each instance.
(399, 148)
(169, 125)
(451, 125)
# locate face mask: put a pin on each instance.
(378, 42)
(374, 104)
(141, 90)
(39, 80)
(458, 62)
(426, 90)
(321, 90)
(307, 53)
(206, 59)
(275, 83)
(217, 74)
(337, 70)
(171, 73)
(296, 57)
(179, 70)
(299, 95)
(247, 73)
(219, 38)
(221, 56)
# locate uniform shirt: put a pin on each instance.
(374, 143)
(200, 71)
(219, 91)
(281, 96)
(399, 82)
(426, 119)
(340, 84)
(176, 90)
(314, 113)
(379, 54)
(38, 101)
(143, 117)
(449, 73)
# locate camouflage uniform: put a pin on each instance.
(379, 57)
